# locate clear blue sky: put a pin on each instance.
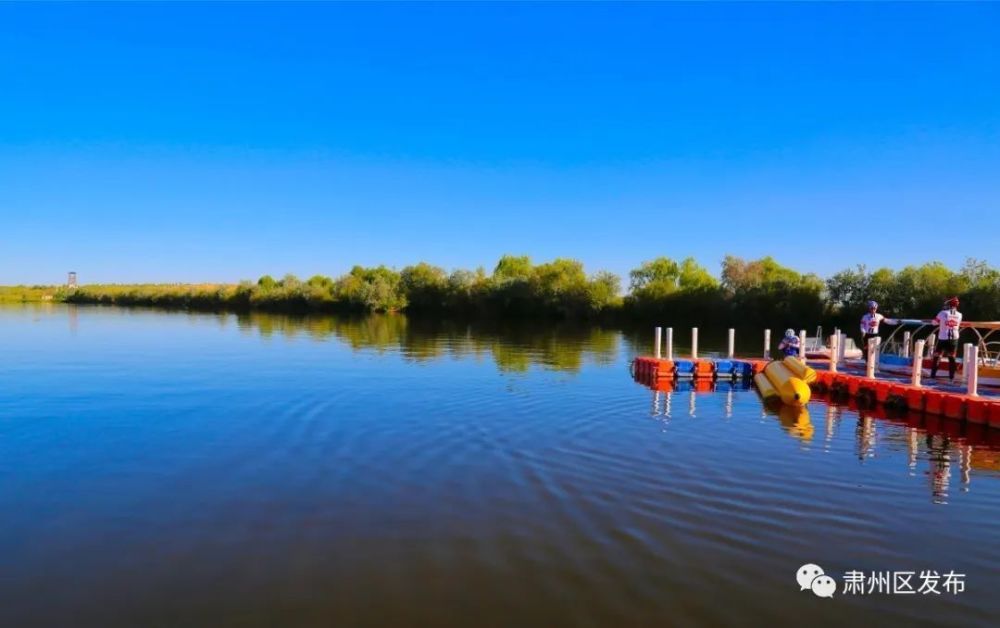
(217, 142)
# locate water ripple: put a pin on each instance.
(188, 470)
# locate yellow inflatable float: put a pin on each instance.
(786, 381)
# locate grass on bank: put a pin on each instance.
(30, 294)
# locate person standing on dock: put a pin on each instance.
(869, 326)
(949, 322)
(789, 345)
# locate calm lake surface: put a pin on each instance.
(193, 469)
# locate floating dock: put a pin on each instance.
(705, 369)
(857, 384)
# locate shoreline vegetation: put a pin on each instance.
(746, 292)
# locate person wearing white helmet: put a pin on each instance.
(949, 322)
(789, 345)
(870, 323)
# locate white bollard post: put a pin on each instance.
(834, 341)
(966, 351)
(657, 334)
(906, 344)
(732, 343)
(802, 345)
(841, 346)
(767, 344)
(670, 343)
(694, 343)
(870, 364)
(971, 369)
(918, 363)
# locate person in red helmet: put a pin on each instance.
(949, 322)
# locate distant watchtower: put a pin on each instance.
(71, 280)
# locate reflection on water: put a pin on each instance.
(172, 469)
(665, 394)
(796, 423)
(513, 347)
(973, 447)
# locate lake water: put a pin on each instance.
(210, 470)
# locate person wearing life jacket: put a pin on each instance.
(949, 321)
(789, 345)
(869, 326)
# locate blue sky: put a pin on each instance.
(215, 142)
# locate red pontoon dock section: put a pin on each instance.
(892, 378)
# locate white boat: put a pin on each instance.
(818, 348)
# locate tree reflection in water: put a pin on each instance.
(513, 347)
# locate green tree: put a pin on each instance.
(978, 274)
(848, 289)
(764, 291)
(560, 287)
(693, 276)
(425, 286)
(658, 275)
(513, 268)
(603, 292)
(511, 290)
(765, 273)
(290, 282)
(372, 289)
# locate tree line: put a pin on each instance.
(560, 289)
(663, 290)
(762, 292)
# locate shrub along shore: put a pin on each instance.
(747, 292)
